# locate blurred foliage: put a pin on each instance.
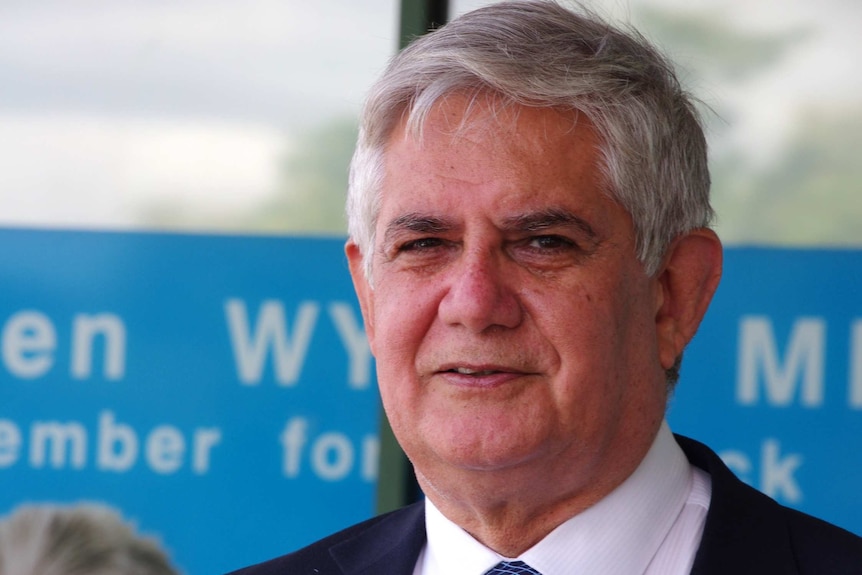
(707, 42)
(308, 200)
(313, 186)
(809, 195)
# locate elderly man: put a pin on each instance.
(529, 241)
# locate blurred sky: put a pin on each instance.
(104, 103)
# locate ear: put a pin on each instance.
(687, 280)
(363, 289)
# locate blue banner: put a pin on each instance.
(218, 391)
(773, 379)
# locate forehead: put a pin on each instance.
(469, 150)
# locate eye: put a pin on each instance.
(421, 253)
(550, 243)
(420, 244)
(547, 252)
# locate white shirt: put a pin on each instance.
(651, 524)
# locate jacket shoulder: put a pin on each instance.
(398, 535)
(746, 532)
(821, 547)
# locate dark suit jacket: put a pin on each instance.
(746, 533)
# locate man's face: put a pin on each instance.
(514, 328)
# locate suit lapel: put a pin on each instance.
(391, 546)
(745, 534)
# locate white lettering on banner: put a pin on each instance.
(165, 449)
(28, 342)
(58, 435)
(118, 444)
(355, 342)
(251, 346)
(64, 445)
(803, 362)
(776, 471)
(84, 331)
(855, 394)
(293, 438)
(371, 458)
(10, 443)
(205, 439)
(332, 455)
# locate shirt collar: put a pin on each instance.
(618, 535)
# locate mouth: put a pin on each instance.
(481, 376)
(474, 372)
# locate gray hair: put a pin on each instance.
(85, 539)
(538, 53)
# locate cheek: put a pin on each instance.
(403, 319)
(400, 319)
(576, 323)
(601, 335)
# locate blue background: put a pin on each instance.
(170, 291)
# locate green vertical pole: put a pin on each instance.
(395, 472)
(420, 16)
(396, 484)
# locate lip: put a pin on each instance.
(481, 376)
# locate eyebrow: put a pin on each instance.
(416, 223)
(529, 222)
(549, 218)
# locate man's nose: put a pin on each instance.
(481, 294)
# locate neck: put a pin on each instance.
(510, 521)
(511, 510)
